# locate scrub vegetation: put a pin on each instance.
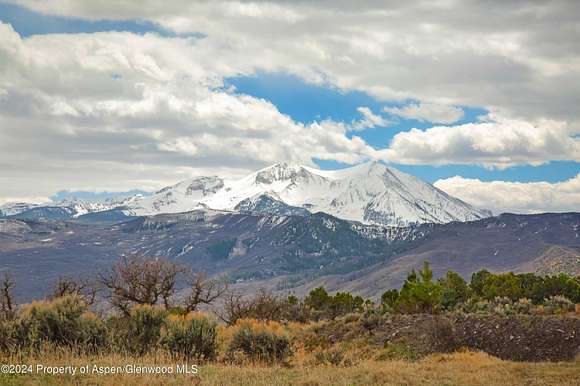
(507, 329)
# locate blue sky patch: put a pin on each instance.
(27, 23)
(306, 103)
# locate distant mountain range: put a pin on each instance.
(370, 193)
(62, 210)
(289, 253)
(287, 228)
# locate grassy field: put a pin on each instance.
(463, 368)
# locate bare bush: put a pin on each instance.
(203, 290)
(141, 281)
(264, 306)
(154, 281)
(67, 286)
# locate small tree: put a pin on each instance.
(529, 283)
(7, 303)
(560, 284)
(203, 291)
(263, 306)
(420, 295)
(478, 281)
(141, 281)
(318, 299)
(343, 303)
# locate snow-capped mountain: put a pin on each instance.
(13, 208)
(81, 207)
(61, 210)
(370, 193)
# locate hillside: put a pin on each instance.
(290, 253)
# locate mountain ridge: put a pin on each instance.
(370, 193)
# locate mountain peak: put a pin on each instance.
(371, 167)
(279, 172)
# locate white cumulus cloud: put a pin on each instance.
(119, 111)
(497, 143)
(516, 197)
(115, 111)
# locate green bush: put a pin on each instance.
(389, 299)
(60, 322)
(454, 290)
(526, 285)
(503, 285)
(139, 332)
(329, 307)
(478, 281)
(561, 284)
(190, 337)
(261, 346)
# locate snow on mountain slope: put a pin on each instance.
(13, 208)
(81, 207)
(181, 197)
(69, 208)
(268, 203)
(369, 193)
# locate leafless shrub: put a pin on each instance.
(154, 281)
(67, 286)
(203, 290)
(263, 306)
(139, 281)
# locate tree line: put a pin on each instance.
(421, 293)
(135, 281)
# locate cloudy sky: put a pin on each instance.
(481, 98)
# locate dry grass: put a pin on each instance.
(464, 368)
(348, 362)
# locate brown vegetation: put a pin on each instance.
(429, 332)
(457, 369)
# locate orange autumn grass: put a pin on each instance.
(462, 368)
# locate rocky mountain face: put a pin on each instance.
(289, 253)
(269, 203)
